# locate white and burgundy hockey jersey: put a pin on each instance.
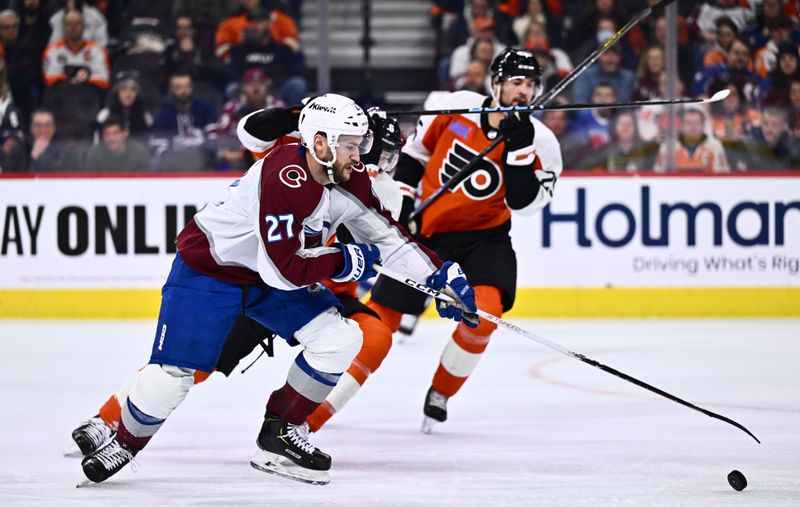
(275, 223)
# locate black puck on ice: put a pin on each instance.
(737, 480)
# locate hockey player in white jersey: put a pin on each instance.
(261, 253)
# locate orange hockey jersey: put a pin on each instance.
(444, 144)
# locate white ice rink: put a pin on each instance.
(531, 427)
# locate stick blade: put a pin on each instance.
(720, 95)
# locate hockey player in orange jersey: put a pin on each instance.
(470, 224)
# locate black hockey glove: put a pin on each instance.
(376, 126)
(518, 133)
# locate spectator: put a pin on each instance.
(276, 59)
(607, 70)
(627, 152)
(695, 150)
(27, 83)
(48, 154)
(686, 69)
(652, 120)
(726, 32)
(184, 54)
(735, 70)
(126, 103)
(483, 49)
(595, 17)
(45, 154)
(179, 137)
(535, 13)
(591, 128)
(231, 32)
(555, 62)
(252, 97)
(75, 59)
(766, 58)
(206, 15)
(771, 147)
(793, 111)
(732, 119)
(757, 33)
(475, 79)
(229, 154)
(12, 153)
(94, 23)
(648, 74)
(712, 10)
(117, 152)
(477, 16)
(787, 70)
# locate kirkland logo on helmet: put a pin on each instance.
(319, 107)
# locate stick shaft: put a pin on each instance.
(555, 107)
(552, 345)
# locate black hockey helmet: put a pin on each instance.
(391, 136)
(513, 63)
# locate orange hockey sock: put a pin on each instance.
(464, 349)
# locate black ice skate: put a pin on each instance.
(106, 461)
(435, 410)
(284, 450)
(90, 436)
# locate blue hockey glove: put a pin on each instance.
(450, 280)
(358, 261)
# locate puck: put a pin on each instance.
(737, 480)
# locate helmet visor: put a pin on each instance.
(350, 144)
(388, 160)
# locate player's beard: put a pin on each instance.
(342, 171)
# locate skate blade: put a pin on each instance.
(73, 451)
(283, 467)
(427, 425)
(85, 482)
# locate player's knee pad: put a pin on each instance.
(330, 341)
(158, 389)
(475, 340)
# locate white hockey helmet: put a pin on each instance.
(333, 115)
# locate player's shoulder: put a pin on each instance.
(543, 132)
(454, 100)
(285, 174)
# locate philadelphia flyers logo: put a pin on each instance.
(484, 181)
(293, 176)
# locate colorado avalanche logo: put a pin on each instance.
(293, 176)
(482, 183)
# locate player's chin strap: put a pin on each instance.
(328, 165)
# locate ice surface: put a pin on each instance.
(531, 427)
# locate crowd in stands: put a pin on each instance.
(132, 85)
(137, 85)
(749, 47)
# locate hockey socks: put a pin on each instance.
(305, 389)
(464, 349)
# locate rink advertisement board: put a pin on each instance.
(606, 245)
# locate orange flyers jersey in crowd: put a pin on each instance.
(446, 143)
(708, 156)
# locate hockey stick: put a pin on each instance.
(542, 100)
(720, 95)
(547, 343)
